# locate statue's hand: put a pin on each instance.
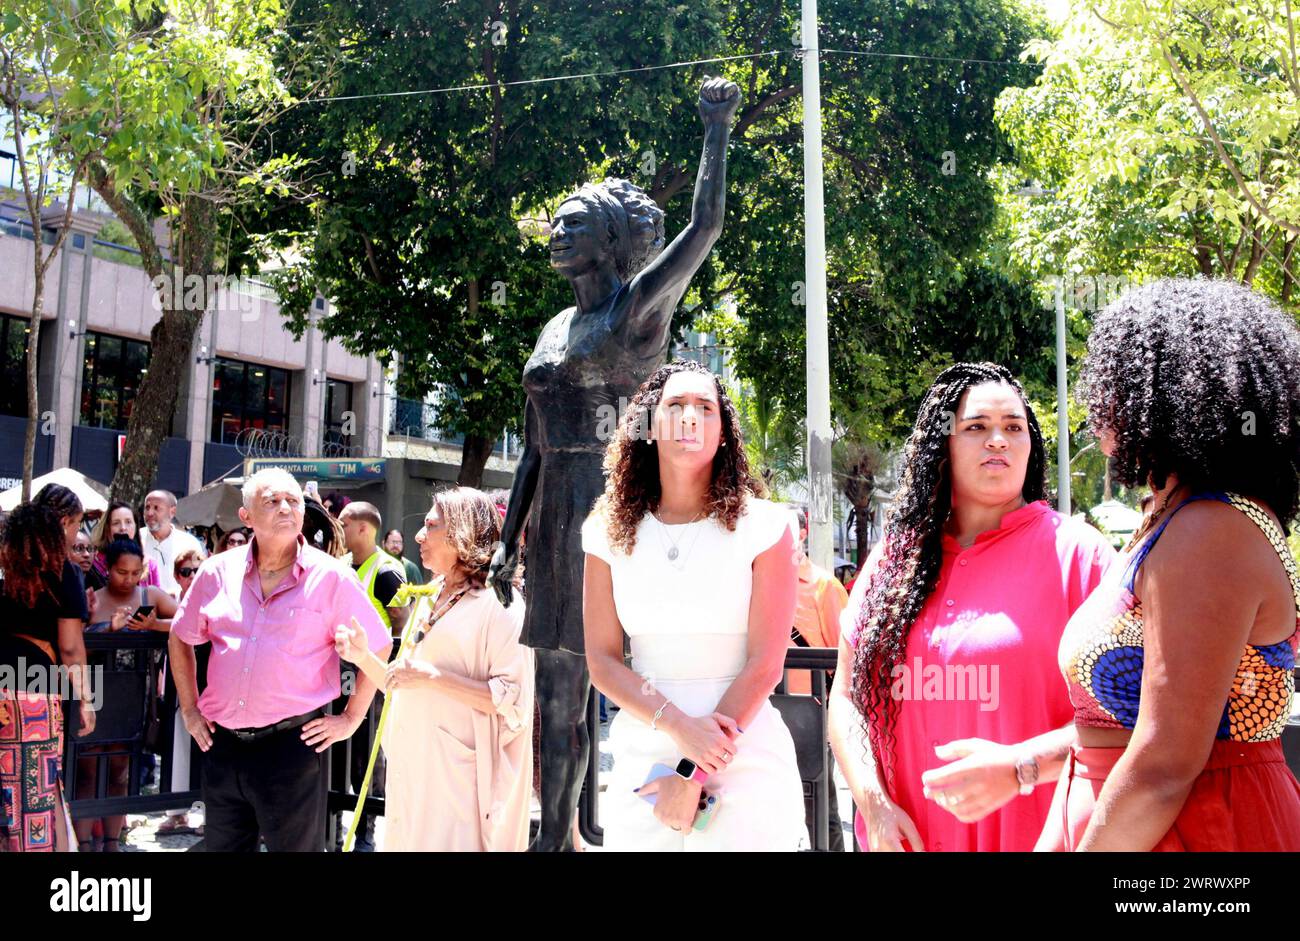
(719, 100)
(501, 573)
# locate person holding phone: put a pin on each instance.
(123, 603)
(685, 558)
(117, 523)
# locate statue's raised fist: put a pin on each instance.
(719, 99)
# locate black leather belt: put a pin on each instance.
(252, 735)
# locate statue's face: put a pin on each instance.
(580, 239)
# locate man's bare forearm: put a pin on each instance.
(184, 671)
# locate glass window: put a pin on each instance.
(13, 366)
(248, 395)
(111, 371)
(338, 403)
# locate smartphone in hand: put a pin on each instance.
(708, 802)
(141, 613)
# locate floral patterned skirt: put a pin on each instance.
(32, 808)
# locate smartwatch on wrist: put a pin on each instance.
(1027, 774)
(691, 771)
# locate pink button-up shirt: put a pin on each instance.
(272, 658)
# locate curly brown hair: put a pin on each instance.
(632, 487)
(33, 546)
(1180, 371)
(473, 529)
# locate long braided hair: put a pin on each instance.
(33, 546)
(632, 486)
(913, 544)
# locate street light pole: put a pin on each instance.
(1062, 406)
(820, 533)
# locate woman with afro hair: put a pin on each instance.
(951, 711)
(686, 559)
(1181, 666)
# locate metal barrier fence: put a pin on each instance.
(132, 667)
(132, 664)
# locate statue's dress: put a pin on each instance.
(583, 371)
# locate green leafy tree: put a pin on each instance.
(1165, 140)
(908, 146)
(32, 53)
(167, 101)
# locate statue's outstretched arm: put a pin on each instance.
(656, 290)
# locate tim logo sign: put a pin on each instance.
(92, 894)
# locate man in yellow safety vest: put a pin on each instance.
(380, 574)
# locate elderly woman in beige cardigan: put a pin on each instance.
(458, 737)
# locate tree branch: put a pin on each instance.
(1219, 149)
(131, 215)
(755, 111)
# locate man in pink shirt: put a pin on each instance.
(270, 610)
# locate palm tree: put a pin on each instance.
(863, 468)
(774, 438)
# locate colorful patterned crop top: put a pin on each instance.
(1101, 649)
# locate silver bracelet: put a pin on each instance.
(659, 714)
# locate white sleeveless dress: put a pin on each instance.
(688, 624)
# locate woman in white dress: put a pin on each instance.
(685, 558)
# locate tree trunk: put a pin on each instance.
(474, 456)
(1256, 256)
(862, 530)
(172, 340)
(476, 450)
(1288, 274)
(1204, 260)
(33, 350)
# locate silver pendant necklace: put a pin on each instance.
(673, 550)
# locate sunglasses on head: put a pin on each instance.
(185, 571)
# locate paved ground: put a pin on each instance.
(143, 837)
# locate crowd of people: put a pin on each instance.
(1006, 681)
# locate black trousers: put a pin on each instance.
(274, 787)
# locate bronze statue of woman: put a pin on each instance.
(589, 359)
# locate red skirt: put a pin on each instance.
(1246, 800)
